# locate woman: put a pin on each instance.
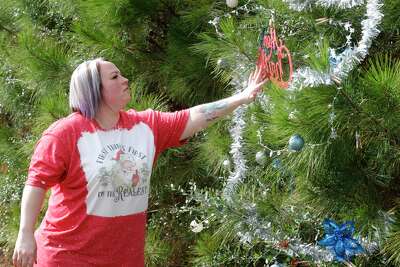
(97, 162)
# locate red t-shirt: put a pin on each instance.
(100, 182)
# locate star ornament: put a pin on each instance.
(338, 238)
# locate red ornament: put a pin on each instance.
(274, 59)
(284, 244)
(297, 263)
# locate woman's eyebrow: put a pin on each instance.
(116, 71)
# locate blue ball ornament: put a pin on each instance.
(296, 143)
(333, 62)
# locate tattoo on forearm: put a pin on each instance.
(211, 110)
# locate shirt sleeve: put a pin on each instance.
(169, 127)
(48, 164)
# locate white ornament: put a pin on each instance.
(222, 63)
(232, 3)
(260, 157)
(226, 164)
(292, 115)
(196, 227)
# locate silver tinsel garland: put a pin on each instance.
(300, 5)
(259, 229)
(348, 59)
(343, 4)
(238, 124)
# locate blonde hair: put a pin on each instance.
(85, 88)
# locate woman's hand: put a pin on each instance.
(25, 247)
(25, 250)
(254, 87)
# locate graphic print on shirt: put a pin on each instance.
(117, 166)
(124, 172)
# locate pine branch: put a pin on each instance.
(7, 29)
(170, 9)
(359, 110)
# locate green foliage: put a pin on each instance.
(50, 14)
(15, 99)
(9, 225)
(391, 248)
(141, 100)
(231, 47)
(215, 140)
(8, 17)
(157, 250)
(45, 64)
(318, 60)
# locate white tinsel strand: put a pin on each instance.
(306, 77)
(236, 130)
(340, 3)
(215, 23)
(317, 253)
(369, 26)
(256, 228)
(250, 6)
(238, 173)
(300, 5)
(370, 31)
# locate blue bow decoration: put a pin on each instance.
(338, 238)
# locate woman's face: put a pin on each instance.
(115, 91)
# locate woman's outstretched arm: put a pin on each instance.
(201, 116)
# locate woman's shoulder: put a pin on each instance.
(66, 125)
(143, 115)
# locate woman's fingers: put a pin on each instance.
(15, 258)
(23, 260)
(258, 75)
(258, 86)
(19, 260)
(30, 262)
(255, 75)
(250, 78)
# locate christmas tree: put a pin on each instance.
(318, 148)
(307, 175)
